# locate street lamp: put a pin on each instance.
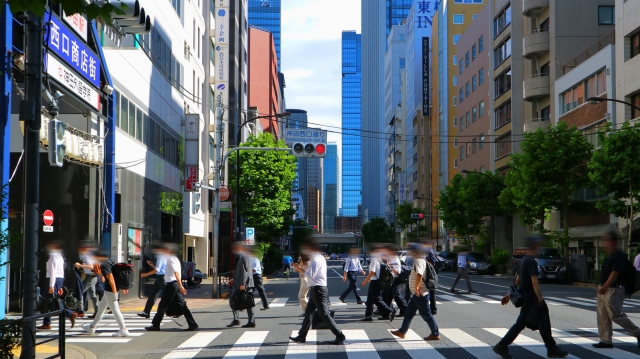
(597, 100)
(438, 219)
(237, 211)
(493, 226)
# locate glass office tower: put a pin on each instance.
(397, 12)
(266, 14)
(351, 123)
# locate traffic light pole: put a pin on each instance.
(33, 122)
(216, 195)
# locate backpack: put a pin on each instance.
(405, 272)
(385, 279)
(629, 279)
(430, 277)
(123, 275)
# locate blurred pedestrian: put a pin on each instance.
(352, 267)
(242, 280)
(432, 258)
(397, 290)
(374, 294)
(256, 269)
(54, 284)
(303, 265)
(89, 278)
(158, 271)
(463, 271)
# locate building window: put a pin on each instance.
(474, 114)
(462, 153)
(473, 83)
(635, 100)
(473, 52)
(467, 1)
(461, 95)
(544, 113)
(456, 38)
(474, 146)
(176, 6)
(403, 63)
(475, 16)
(503, 146)
(481, 76)
(455, 80)
(481, 109)
(467, 88)
(501, 21)
(481, 44)
(503, 115)
(466, 59)
(455, 122)
(468, 118)
(502, 52)
(455, 100)
(461, 123)
(455, 60)
(635, 44)
(455, 163)
(481, 141)
(455, 142)
(606, 15)
(461, 67)
(503, 83)
(458, 19)
(595, 85)
(591, 133)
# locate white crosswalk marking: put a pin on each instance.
(616, 335)
(587, 344)
(192, 346)
(479, 298)
(632, 301)
(307, 350)
(335, 301)
(593, 301)
(472, 345)
(416, 347)
(524, 341)
(453, 299)
(358, 345)
(572, 302)
(278, 302)
(248, 345)
(96, 340)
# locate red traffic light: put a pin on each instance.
(320, 149)
(313, 227)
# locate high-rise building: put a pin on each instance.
(378, 16)
(351, 124)
(298, 119)
(266, 14)
(315, 193)
(264, 92)
(330, 187)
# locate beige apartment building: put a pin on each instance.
(627, 34)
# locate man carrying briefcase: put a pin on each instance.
(242, 284)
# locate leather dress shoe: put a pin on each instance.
(298, 339)
(235, 323)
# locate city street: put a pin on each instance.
(469, 326)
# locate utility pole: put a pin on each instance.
(31, 114)
(217, 145)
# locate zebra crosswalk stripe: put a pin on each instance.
(524, 341)
(469, 343)
(192, 346)
(307, 350)
(416, 347)
(572, 302)
(358, 346)
(248, 345)
(453, 299)
(594, 302)
(587, 344)
(335, 301)
(482, 299)
(278, 302)
(616, 335)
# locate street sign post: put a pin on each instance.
(251, 236)
(47, 217)
(307, 142)
(191, 178)
(224, 193)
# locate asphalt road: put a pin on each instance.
(469, 325)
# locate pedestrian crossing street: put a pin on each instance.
(104, 330)
(360, 345)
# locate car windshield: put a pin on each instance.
(477, 257)
(549, 253)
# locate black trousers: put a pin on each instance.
(353, 286)
(521, 324)
(396, 292)
(374, 297)
(257, 281)
(158, 287)
(171, 293)
(318, 299)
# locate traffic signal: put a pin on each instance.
(196, 202)
(417, 216)
(57, 147)
(313, 227)
(134, 20)
(309, 150)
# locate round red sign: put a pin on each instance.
(47, 217)
(224, 193)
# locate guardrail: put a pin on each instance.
(61, 329)
(223, 282)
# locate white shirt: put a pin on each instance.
(55, 268)
(374, 266)
(90, 261)
(173, 266)
(394, 263)
(317, 273)
(256, 266)
(352, 264)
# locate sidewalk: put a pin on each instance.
(71, 352)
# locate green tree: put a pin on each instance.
(378, 230)
(545, 176)
(615, 169)
(91, 9)
(265, 183)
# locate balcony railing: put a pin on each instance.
(531, 8)
(535, 43)
(536, 86)
(607, 40)
(533, 124)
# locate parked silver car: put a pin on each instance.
(550, 263)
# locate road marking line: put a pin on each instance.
(358, 346)
(278, 302)
(192, 346)
(593, 301)
(481, 299)
(546, 301)
(248, 345)
(475, 281)
(454, 299)
(524, 341)
(616, 335)
(335, 301)
(336, 272)
(111, 334)
(416, 347)
(572, 301)
(587, 344)
(472, 345)
(97, 340)
(307, 350)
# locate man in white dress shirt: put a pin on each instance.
(257, 279)
(352, 267)
(55, 282)
(318, 294)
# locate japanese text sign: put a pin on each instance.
(305, 135)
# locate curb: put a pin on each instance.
(87, 354)
(587, 285)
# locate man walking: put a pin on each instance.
(463, 262)
(374, 295)
(352, 267)
(611, 293)
(242, 280)
(257, 279)
(419, 301)
(396, 292)
(90, 279)
(158, 285)
(318, 295)
(432, 259)
(110, 297)
(173, 291)
(55, 282)
(529, 288)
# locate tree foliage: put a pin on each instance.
(404, 212)
(92, 10)
(468, 200)
(265, 183)
(545, 175)
(615, 170)
(298, 234)
(378, 230)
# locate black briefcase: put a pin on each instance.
(316, 321)
(176, 308)
(243, 299)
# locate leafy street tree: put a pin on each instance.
(378, 230)
(408, 224)
(299, 232)
(545, 175)
(92, 9)
(265, 183)
(615, 169)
